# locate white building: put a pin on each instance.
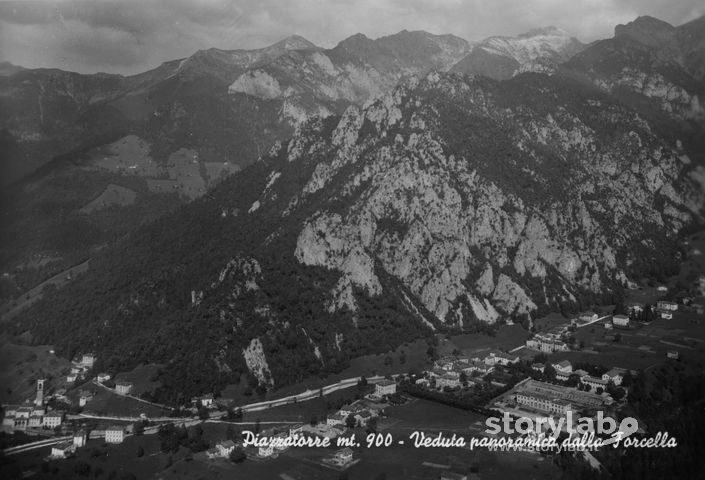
(114, 434)
(88, 359)
(563, 367)
(450, 379)
(123, 387)
(35, 421)
(635, 307)
(336, 419)
(540, 402)
(548, 343)
(594, 382)
(620, 320)
(501, 358)
(52, 420)
(103, 377)
(614, 375)
(343, 456)
(79, 439)
(538, 367)
(385, 387)
(62, 450)
(84, 398)
(225, 448)
(587, 317)
(667, 305)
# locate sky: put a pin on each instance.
(133, 36)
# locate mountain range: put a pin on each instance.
(400, 187)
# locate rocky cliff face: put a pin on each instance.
(426, 203)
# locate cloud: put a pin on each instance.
(133, 36)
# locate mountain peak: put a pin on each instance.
(646, 30)
(295, 42)
(545, 31)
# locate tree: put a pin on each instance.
(138, 429)
(237, 455)
(82, 468)
(314, 421)
(203, 413)
(350, 421)
(140, 451)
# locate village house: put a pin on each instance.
(62, 450)
(103, 377)
(71, 377)
(608, 326)
(614, 376)
(296, 429)
(478, 366)
(585, 317)
(672, 354)
(635, 307)
(225, 448)
(594, 382)
(450, 379)
(52, 420)
(361, 418)
(115, 434)
(548, 343)
(123, 387)
(88, 359)
(35, 421)
(563, 369)
(205, 401)
(385, 387)
(84, 398)
(667, 305)
(336, 419)
(538, 367)
(343, 456)
(422, 382)
(620, 320)
(665, 314)
(500, 358)
(79, 438)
